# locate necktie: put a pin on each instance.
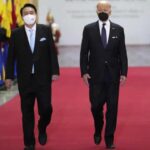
(31, 40)
(103, 35)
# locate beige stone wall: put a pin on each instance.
(35, 2)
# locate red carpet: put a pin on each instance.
(72, 125)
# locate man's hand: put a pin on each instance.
(8, 83)
(55, 77)
(122, 80)
(85, 78)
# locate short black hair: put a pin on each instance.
(28, 5)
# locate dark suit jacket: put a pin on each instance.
(44, 57)
(94, 57)
(3, 35)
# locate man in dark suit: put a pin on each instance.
(32, 48)
(104, 65)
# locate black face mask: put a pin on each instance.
(103, 16)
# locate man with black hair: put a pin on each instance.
(32, 47)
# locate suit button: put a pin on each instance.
(106, 62)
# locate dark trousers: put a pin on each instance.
(101, 93)
(28, 95)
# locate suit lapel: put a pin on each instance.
(112, 31)
(26, 42)
(37, 35)
(97, 33)
(98, 36)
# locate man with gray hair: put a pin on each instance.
(104, 66)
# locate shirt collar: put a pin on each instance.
(33, 28)
(106, 23)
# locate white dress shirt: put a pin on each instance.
(107, 27)
(28, 32)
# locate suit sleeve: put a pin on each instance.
(123, 55)
(53, 55)
(10, 59)
(84, 53)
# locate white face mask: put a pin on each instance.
(29, 19)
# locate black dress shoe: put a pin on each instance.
(31, 147)
(97, 139)
(42, 138)
(111, 146)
